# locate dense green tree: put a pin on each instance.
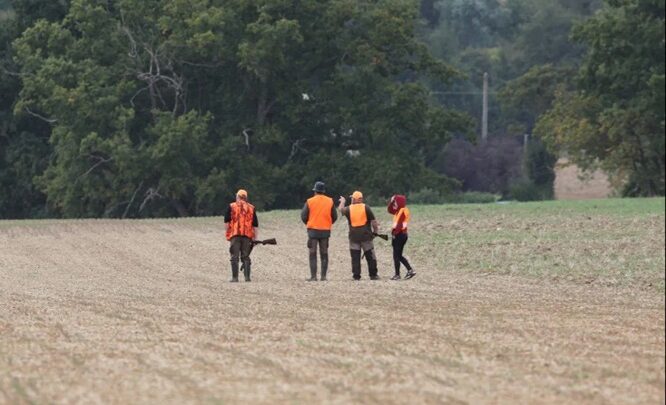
(166, 107)
(523, 101)
(527, 97)
(24, 148)
(615, 117)
(525, 48)
(505, 39)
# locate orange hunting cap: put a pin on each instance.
(241, 193)
(357, 195)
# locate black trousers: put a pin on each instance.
(356, 262)
(398, 244)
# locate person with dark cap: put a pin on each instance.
(318, 215)
(398, 207)
(362, 227)
(241, 222)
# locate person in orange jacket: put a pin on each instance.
(241, 223)
(362, 227)
(401, 216)
(319, 215)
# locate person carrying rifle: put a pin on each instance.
(362, 228)
(398, 207)
(318, 215)
(241, 223)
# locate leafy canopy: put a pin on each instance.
(166, 107)
(615, 117)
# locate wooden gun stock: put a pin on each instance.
(271, 241)
(381, 235)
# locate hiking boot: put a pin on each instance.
(410, 273)
(356, 263)
(324, 266)
(396, 277)
(234, 272)
(313, 269)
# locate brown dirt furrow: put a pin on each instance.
(141, 312)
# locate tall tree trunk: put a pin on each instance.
(178, 205)
(262, 104)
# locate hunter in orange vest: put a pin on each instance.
(318, 215)
(241, 223)
(362, 227)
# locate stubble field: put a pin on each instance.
(558, 302)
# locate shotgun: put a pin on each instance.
(376, 235)
(380, 235)
(270, 241)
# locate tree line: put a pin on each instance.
(576, 76)
(146, 108)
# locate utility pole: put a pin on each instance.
(484, 118)
(526, 138)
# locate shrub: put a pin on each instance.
(474, 197)
(430, 196)
(488, 167)
(540, 167)
(526, 190)
(425, 196)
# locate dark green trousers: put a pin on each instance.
(240, 247)
(323, 252)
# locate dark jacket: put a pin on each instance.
(360, 233)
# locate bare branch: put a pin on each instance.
(100, 161)
(295, 147)
(184, 100)
(246, 134)
(160, 70)
(205, 65)
(159, 95)
(132, 52)
(41, 117)
(136, 94)
(112, 208)
(151, 194)
(131, 200)
(17, 74)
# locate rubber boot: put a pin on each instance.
(313, 267)
(324, 266)
(246, 271)
(372, 265)
(356, 264)
(234, 272)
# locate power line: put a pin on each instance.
(463, 92)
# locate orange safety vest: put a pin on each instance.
(404, 212)
(242, 214)
(357, 215)
(319, 217)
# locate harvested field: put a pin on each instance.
(559, 302)
(569, 185)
